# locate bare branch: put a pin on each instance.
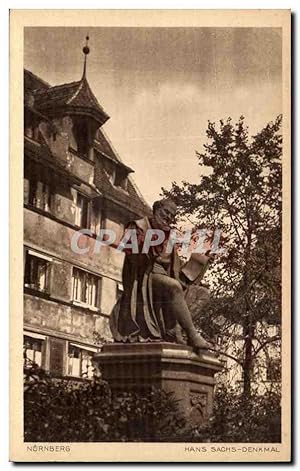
(270, 340)
(227, 355)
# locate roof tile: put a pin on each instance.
(74, 94)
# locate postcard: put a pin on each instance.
(150, 284)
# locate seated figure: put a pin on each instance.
(153, 305)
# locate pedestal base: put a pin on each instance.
(172, 367)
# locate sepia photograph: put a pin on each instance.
(152, 296)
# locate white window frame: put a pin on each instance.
(83, 351)
(77, 300)
(43, 257)
(34, 336)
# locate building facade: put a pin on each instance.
(73, 179)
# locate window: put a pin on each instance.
(45, 197)
(79, 362)
(121, 178)
(32, 199)
(81, 135)
(95, 220)
(274, 370)
(85, 288)
(109, 168)
(40, 194)
(81, 212)
(33, 348)
(37, 269)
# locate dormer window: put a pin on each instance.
(121, 178)
(81, 133)
(115, 170)
(117, 175)
(110, 169)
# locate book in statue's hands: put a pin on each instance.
(195, 268)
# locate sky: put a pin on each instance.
(160, 86)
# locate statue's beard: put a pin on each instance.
(161, 223)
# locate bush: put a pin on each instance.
(67, 410)
(256, 419)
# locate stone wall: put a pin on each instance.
(53, 317)
(46, 234)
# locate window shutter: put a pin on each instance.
(57, 349)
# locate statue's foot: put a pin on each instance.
(198, 342)
(179, 337)
(180, 340)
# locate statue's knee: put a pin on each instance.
(167, 286)
(174, 287)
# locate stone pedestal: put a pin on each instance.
(172, 367)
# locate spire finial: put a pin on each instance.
(86, 51)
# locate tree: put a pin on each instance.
(240, 193)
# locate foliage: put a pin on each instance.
(64, 410)
(239, 192)
(234, 419)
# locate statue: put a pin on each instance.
(153, 305)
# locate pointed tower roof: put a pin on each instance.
(71, 98)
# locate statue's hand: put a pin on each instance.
(200, 258)
(211, 256)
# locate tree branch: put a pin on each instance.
(270, 340)
(233, 223)
(226, 355)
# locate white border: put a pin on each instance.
(109, 4)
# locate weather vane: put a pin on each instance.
(86, 51)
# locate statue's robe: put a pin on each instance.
(137, 317)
